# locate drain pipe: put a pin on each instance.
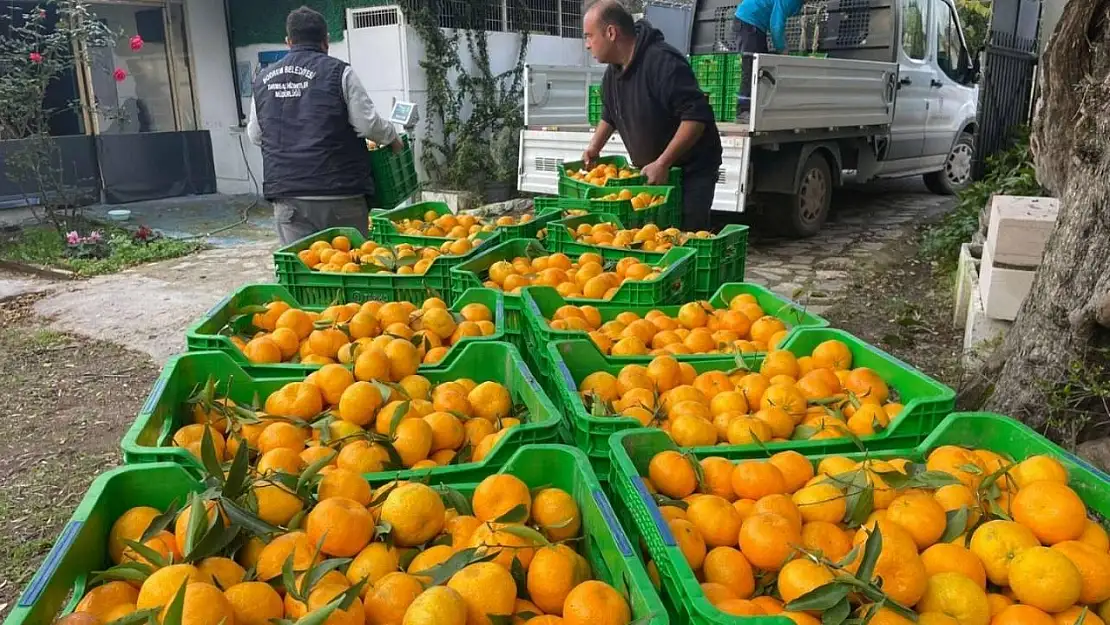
(234, 64)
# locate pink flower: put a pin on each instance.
(35, 57)
(119, 74)
(73, 238)
(136, 43)
(94, 236)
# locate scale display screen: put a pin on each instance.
(402, 113)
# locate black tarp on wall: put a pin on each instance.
(76, 158)
(154, 165)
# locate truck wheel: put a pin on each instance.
(807, 209)
(956, 174)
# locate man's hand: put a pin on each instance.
(589, 156)
(398, 146)
(656, 172)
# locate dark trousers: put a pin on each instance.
(697, 198)
(749, 40)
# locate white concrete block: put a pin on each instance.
(1002, 289)
(982, 334)
(965, 285)
(1019, 228)
(457, 201)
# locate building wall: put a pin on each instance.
(215, 93)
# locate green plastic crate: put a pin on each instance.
(394, 174)
(385, 221)
(606, 546)
(720, 259)
(150, 437)
(665, 215)
(544, 204)
(673, 285)
(569, 187)
(207, 333)
(320, 289)
(541, 302)
(81, 548)
(719, 76)
(593, 105)
(632, 452)
(560, 240)
(926, 401)
(82, 545)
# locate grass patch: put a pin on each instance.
(41, 245)
(1008, 173)
(48, 338)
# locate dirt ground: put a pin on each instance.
(67, 403)
(901, 305)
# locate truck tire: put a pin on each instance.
(808, 208)
(956, 174)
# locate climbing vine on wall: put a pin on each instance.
(472, 113)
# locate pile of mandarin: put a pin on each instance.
(385, 552)
(586, 277)
(640, 201)
(356, 413)
(601, 174)
(814, 397)
(698, 328)
(455, 226)
(337, 256)
(337, 334)
(1021, 548)
(650, 238)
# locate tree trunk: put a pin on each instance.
(1062, 326)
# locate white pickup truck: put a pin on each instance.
(897, 102)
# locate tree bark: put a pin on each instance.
(1062, 324)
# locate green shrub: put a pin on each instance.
(1008, 173)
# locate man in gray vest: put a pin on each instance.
(311, 116)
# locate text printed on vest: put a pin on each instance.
(288, 89)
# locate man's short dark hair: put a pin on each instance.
(613, 13)
(306, 26)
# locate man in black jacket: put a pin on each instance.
(311, 116)
(650, 96)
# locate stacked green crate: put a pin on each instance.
(231, 316)
(318, 288)
(593, 106)
(150, 438)
(394, 174)
(719, 76)
(925, 401)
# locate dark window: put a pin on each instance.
(914, 13)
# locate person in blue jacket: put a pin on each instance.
(754, 19)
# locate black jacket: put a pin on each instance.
(647, 100)
(309, 147)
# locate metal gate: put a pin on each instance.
(1009, 70)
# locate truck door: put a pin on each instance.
(911, 107)
(953, 96)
